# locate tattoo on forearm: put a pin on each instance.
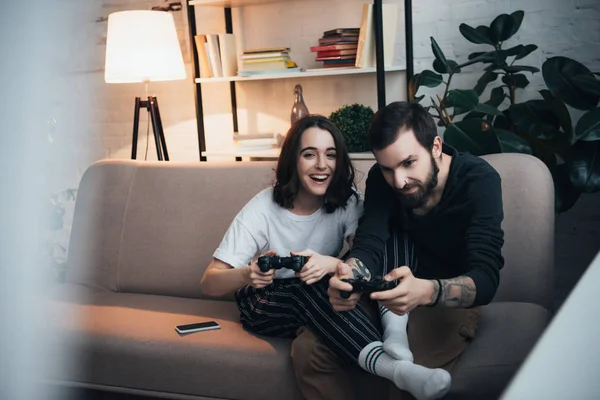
(359, 268)
(457, 292)
(434, 294)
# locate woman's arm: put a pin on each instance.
(221, 279)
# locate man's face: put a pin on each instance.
(409, 168)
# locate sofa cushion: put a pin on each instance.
(129, 341)
(506, 333)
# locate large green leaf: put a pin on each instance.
(503, 121)
(560, 111)
(535, 118)
(463, 100)
(485, 57)
(450, 66)
(587, 83)
(417, 99)
(584, 167)
(485, 31)
(516, 80)
(413, 86)
(476, 54)
(474, 36)
(496, 97)
(430, 79)
(512, 143)
(517, 17)
(485, 79)
(558, 74)
(438, 53)
(474, 135)
(502, 28)
(520, 68)
(565, 194)
(530, 48)
(487, 109)
(588, 127)
(513, 51)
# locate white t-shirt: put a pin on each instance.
(263, 225)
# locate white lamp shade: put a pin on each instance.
(142, 46)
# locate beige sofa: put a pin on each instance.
(144, 232)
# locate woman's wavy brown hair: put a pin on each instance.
(287, 182)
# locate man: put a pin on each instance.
(432, 222)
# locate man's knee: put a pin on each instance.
(310, 355)
(319, 371)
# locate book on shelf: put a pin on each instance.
(330, 47)
(333, 40)
(365, 53)
(255, 56)
(342, 32)
(214, 55)
(339, 63)
(228, 54)
(270, 72)
(346, 58)
(334, 53)
(268, 50)
(266, 59)
(252, 136)
(256, 141)
(217, 55)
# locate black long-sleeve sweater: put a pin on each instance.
(461, 235)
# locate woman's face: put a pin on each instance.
(316, 163)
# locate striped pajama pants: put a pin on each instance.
(279, 309)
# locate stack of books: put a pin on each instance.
(266, 60)
(255, 141)
(337, 47)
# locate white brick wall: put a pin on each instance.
(569, 28)
(565, 27)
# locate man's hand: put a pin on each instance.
(316, 267)
(410, 292)
(343, 271)
(255, 277)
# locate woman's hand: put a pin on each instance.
(316, 267)
(255, 277)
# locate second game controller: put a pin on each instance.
(362, 285)
(266, 263)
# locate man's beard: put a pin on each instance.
(420, 197)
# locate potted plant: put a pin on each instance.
(541, 127)
(353, 121)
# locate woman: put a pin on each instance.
(310, 211)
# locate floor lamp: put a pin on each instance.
(142, 47)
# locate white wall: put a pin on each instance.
(569, 28)
(558, 27)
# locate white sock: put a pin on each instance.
(423, 383)
(395, 336)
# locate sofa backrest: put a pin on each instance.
(152, 227)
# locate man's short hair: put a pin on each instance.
(398, 117)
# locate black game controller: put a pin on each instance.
(360, 284)
(266, 263)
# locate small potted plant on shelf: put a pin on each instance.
(353, 121)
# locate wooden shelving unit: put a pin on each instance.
(309, 73)
(379, 69)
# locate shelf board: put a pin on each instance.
(306, 74)
(232, 3)
(271, 153)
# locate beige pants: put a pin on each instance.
(437, 338)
